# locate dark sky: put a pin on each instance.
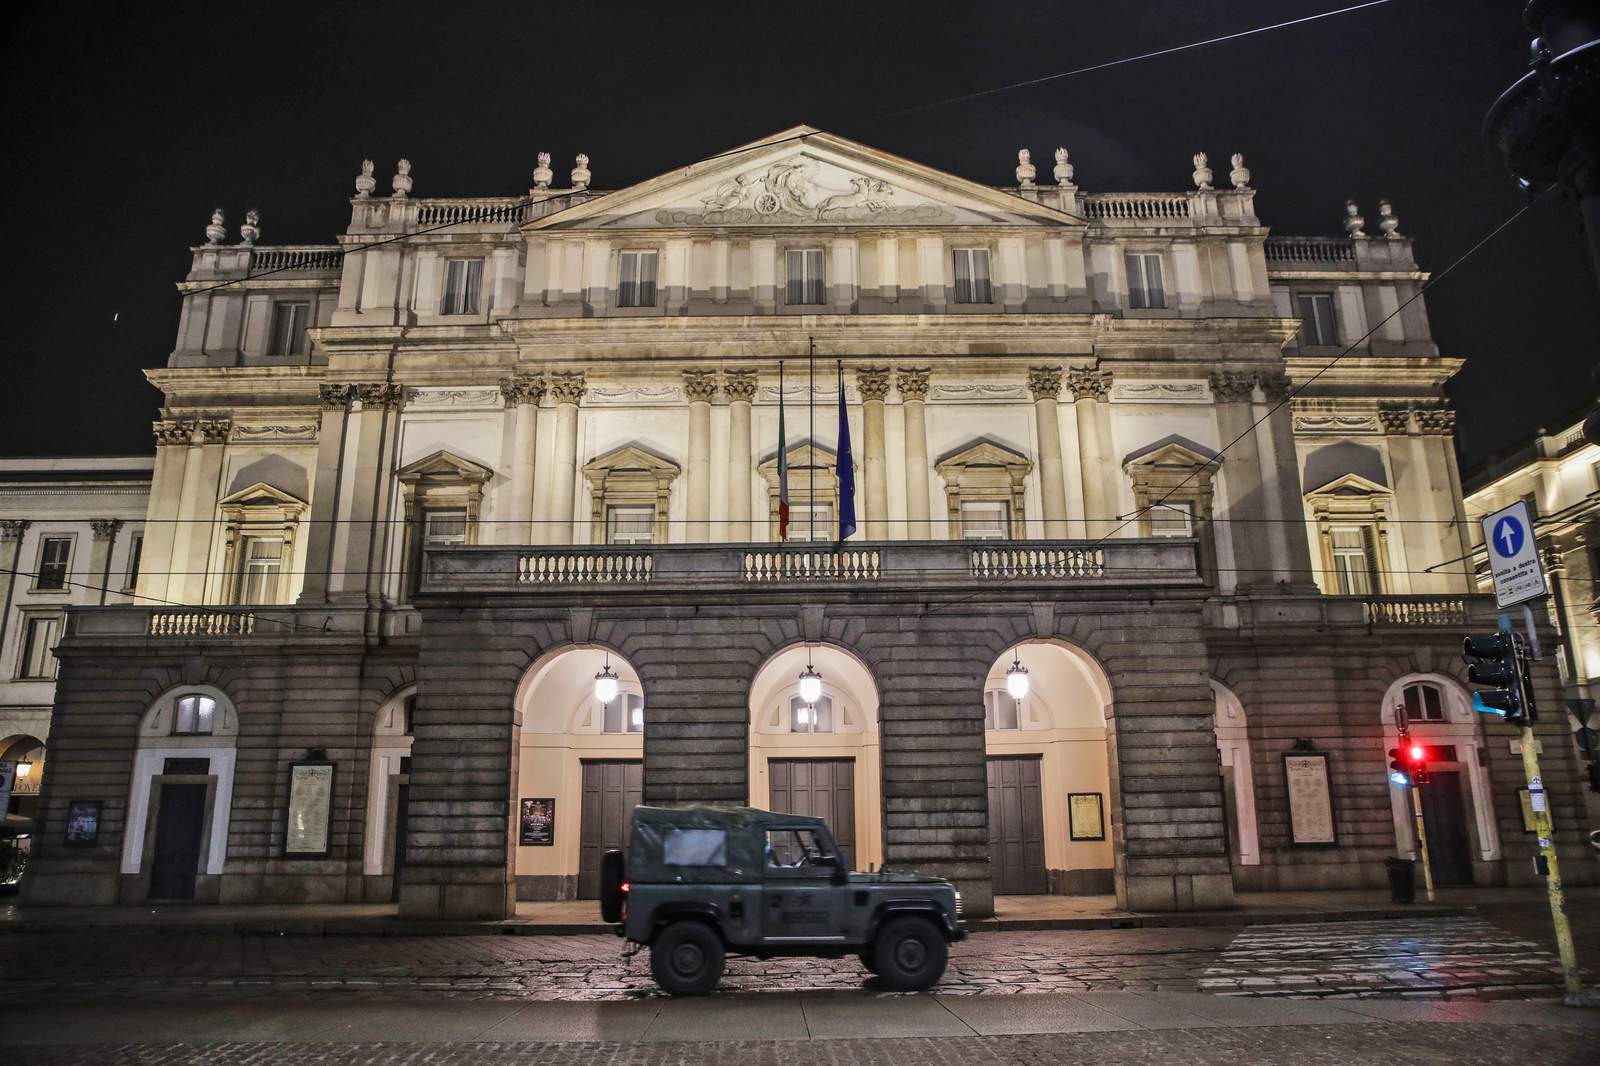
(125, 130)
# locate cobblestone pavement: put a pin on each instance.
(138, 964)
(1304, 1045)
(1455, 956)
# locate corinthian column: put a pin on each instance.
(566, 389)
(1045, 383)
(12, 530)
(522, 395)
(1089, 387)
(166, 492)
(335, 405)
(740, 385)
(913, 385)
(874, 385)
(700, 386)
(1246, 513)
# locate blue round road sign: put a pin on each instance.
(1508, 537)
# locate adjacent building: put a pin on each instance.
(499, 515)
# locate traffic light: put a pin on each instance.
(1492, 660)
(1588, 740)
(1399, 772)
(1416, 762)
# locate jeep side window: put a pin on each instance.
(794, 849)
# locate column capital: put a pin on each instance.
(740, 385)
(522, 388)
(700, 386)
(214, 430)
(105, 528)
(12, 529)
(378, 393)
(873, 381)
(1044, 382)
(1087, 384)
(1439, 420)
(1232, 386)
(334, 397)
(912, 382)
(173, 431)
(568, 386)
(1395, 418)
(1275, 386)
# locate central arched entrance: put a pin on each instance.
(580, 770)
(819, 758)
(1049, 781)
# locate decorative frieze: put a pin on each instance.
(873, 382)
(1044, 382)
(1232, 386)
(796, 394)
(486, 397)
(567, 386)
(1335, 423)
(1087, 384)
(253, 434)
(700, 386)
(634, 394)
(1167, 391)
(950, 391)
(522, 389)
(912, 381)
(740, 385)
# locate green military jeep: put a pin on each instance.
(699, 883)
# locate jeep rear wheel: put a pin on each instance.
(612, 874)
(868, 962)
(910, 954)
(687, 959)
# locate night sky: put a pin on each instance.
(128, 124)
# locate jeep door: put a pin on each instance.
(799, 899)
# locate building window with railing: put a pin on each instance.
(260, 568)
(259, 530)
(630, 524)
(1352, 516)
(636, 279)
(812, 521)
(813, 491)
(289, 328)
(463, 287)
(811, 717)
(1423, 703)
(1001, 710)
(1172, 518)
(442, 497)
(55, 563)
(985, 520)
(805, 276)
(1355, 569)
(1145, 289)
(1173, 490)
(40, 632)
(973, 285)
(630, 492)
(1316, 319)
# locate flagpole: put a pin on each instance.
(811, 467)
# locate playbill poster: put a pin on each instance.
(1310, 801)
(310, 805)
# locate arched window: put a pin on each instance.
(194, 716)
(625, 714)
(808, 718)
(1000, 710)
(1424, 702)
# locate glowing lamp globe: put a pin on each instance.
(605, 685)
(810, 685)
(1017, 680)
(23, 770)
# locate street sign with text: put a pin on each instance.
(1513, 556)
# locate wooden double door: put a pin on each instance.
(818, 788)
(611, 790)
(1016, 825)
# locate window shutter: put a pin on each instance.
(1152, 281)
(474, 286)
(963, 269)
(1136, 290)
(982, 289)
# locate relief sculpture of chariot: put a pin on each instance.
(788, 192)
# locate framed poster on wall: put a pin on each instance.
(538, 824)
(1086, 819)
(307, 832)
(1310, 799)
(83, 824)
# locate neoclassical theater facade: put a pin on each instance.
(413, 491)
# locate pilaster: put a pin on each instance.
(334, 401)
(103, 539)
(1089, 391)
(522, 394)
(567, 389)
(1045, 384)
(740, 386)
(913, 385)
(359, 575)
(873, 383)
(700, 387)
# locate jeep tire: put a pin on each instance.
(612, 874)
(910, 954)
(687, 959)
(869, 963)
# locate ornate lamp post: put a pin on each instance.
(1017, 677)
(605, 682)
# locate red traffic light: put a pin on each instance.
(1417, 752)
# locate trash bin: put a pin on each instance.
(1402, 880)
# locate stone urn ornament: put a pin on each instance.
(365, 182)
(1353, 222)
(580, 173)
(1240, 174)
(216, 232)
(250, 232)
(1202, 172)
(542, 174)
(1026, 171)
(402, 179)
(1388, 221)
(1063, 171)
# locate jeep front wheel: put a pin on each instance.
(910, 954)
(687, 959)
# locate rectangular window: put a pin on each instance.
(805, 276)
(135, 550)
(55, 555)
(1173, 518)
(985, 519)
(260, 561)
(1353, 560)
(999, 710)
(289, 328)
(1423, 704)
(39, 635)
(811, 522)
(463, 285)
(972, 276)
(630, 524)
(1532, 500)
(811, 717)
(194, 716)
(1316, 319)
(636, 279)
(441, 529)
(1144, 281)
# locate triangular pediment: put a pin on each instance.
(1172, 451)
(1350, 485)
(443, 465)
(802, 177)
(631, 457)
(262, 494)
(802, 454)
(984, 452)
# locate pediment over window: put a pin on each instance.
(631, 459)
(984, 453)
(443, 466)
(1173, 452)
(803, 177)
(803, 455)
(1351, 485)
(261, 503)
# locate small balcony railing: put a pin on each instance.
(1415, 610)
